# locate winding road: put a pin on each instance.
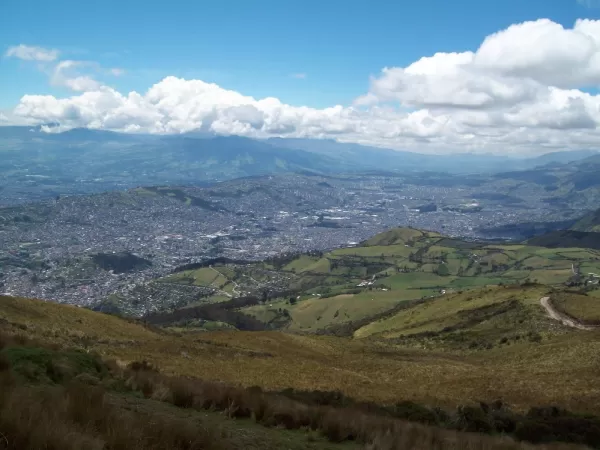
(565, 320)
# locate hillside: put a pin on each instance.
(273, 360)
(589, 223)
(408, 324)
(557, 368)
(314, 291)
(568, 238)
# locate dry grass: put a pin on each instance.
(76, 415)
(581, 307)
(336, 424)
(457, 310)
(560, 370)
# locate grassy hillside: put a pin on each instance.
(557, 368)
(583, 308)
(472, 319)
(55, 398)
(351, 284)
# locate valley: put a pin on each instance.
(50, 249)
(291, 305)
(405, 324)
(300, 226)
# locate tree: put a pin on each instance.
(442, 270)
(292, 300)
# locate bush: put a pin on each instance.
(38, 364)
(144, 365)
(473, 419)
(551, 424)
(413, 412)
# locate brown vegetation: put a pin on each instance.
(85, 411)
(577, 306)
(560, 370)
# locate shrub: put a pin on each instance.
(415, 413)
(470, 418)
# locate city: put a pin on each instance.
(48, 247)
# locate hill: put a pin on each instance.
(356, 377)
(311, 292)
(589, 223)
(568, 238)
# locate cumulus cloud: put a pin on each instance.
(520, 91)
(29, 53)
(300, 76)
(510, 67)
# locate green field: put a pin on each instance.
(485, 315)
(400, 264)
(315, 313)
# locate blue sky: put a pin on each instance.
(255, 47)
(434, 76)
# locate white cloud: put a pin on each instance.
(519, 92)
(29, 53)
(67, 73)
(300, 76)
(510, 67)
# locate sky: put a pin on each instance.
(432, 76)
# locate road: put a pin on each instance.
(565, 320)
(235, 290)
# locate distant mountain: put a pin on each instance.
(234, 156)
(85, 161)
(65, 162)
(30, 133)
(347, 156)
(564, 157)
(401, 161)
(387, 159)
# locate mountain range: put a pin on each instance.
(36, 164)
(245, 156)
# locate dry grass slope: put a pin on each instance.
(583, 308)
(561, 369)
(114, 408)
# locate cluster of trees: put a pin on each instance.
(221, 312)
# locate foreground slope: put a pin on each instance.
(61, 398)
(558, 368)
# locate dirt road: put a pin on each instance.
(565, 320)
